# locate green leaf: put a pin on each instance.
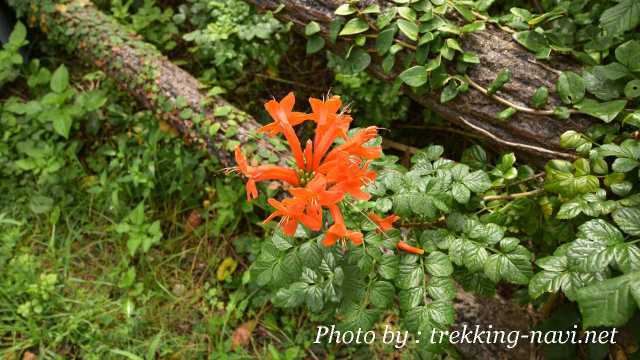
(514, 268)
(357, 61)
(610, 302)
(632, 89)
(441, 288)
(477, 181)
(62, 124)
(628, 219)
(389, 265)
(381, 294)
(385, 39)
(627, 55)
(410, 276)
(622, 17)
(60, 79)
(600, 231)
(311, 28)
(438, 264)
(474, 26)
(531, 40)
(315, 44)
(345, 9)
(460, 193)
(415, 76)
(613, 71)
(314, 298)
(504, 76)
(292, 296)
(407, 13)
(506, 114)
(18, 35)
(354, 26)
(372, 9)
(449, 92)
(605, 111)
(409, 29)
(470, 58)
(570, 87)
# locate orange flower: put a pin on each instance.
(322, 175)
(349, 178)
(337, 232)
(384, 224)
(283, 121)
(262, 173)
(316, 196)
(291, 213)
(408, 248)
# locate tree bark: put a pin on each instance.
(535, 136)
(176, 97)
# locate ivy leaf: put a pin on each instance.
(632, 89)
(628, 219)
(531, 40)
(311, 28)
(409, 29)
(449, 92)
(611, 302)
(570, 87)
(540, 97)
(415, 76)
(354, 26)
(345, 9)
(622, 17)
(605, 111)
(627, 54)
(385, 40)
(60, 79)
(315, 44)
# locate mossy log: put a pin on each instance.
(176, 97)
(533, 135)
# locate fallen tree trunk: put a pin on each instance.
(174, 95)
(531, 134)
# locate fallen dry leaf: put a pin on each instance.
(242, 334)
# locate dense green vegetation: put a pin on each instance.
(118, 241)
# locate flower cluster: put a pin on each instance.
(325, 171)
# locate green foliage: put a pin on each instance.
(10, 58)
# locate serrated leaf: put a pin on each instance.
(610, 302)
(381, 294)
(438, 264)
(628, 219)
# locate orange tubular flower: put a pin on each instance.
(384, 224)
(322, 175)
(262, 173)
(408, 248)
(316, 196)
(291, 212)
(283, 121)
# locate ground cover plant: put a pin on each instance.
(217, 179)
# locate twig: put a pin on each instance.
(487, 19)
(288, 82)
(532, 177)
(506, 102)
(399, 146)
(535, 192)
(545, 66)
(514, 144)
